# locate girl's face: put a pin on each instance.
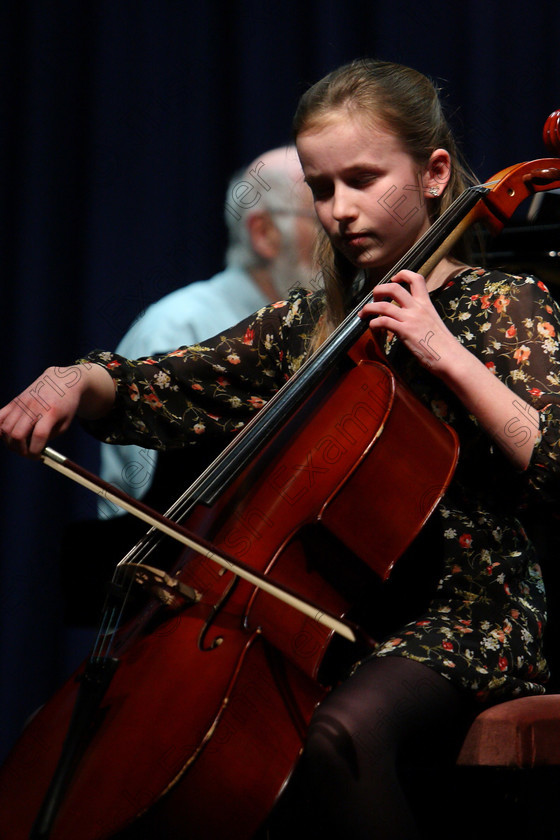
(369, 194)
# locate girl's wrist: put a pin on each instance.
(97, 392)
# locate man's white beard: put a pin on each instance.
(289, 271)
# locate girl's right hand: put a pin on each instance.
(47, 407)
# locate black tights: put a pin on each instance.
(394, 716)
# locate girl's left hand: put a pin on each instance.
(409, 313)
(413, 319)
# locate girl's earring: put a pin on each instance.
(433, 191)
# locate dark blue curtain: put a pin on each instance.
(120, 123)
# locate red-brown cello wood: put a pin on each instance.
(197, 711)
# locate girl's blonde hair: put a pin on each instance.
(406, 103)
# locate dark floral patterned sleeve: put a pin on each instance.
(513, 324)
(209, 390)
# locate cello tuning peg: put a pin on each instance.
(551, 133)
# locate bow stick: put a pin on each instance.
(177, 532)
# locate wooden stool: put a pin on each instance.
(518, 733)
(508, 772)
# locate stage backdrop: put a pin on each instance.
(120, 124)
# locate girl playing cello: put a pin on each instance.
(479, 348)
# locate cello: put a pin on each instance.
(213, 668)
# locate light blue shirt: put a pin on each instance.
(184, 317)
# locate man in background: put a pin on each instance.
(271, 231)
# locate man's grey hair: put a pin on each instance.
(267, 188)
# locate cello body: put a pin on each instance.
(210, 700)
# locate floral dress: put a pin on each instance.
(482, 624)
